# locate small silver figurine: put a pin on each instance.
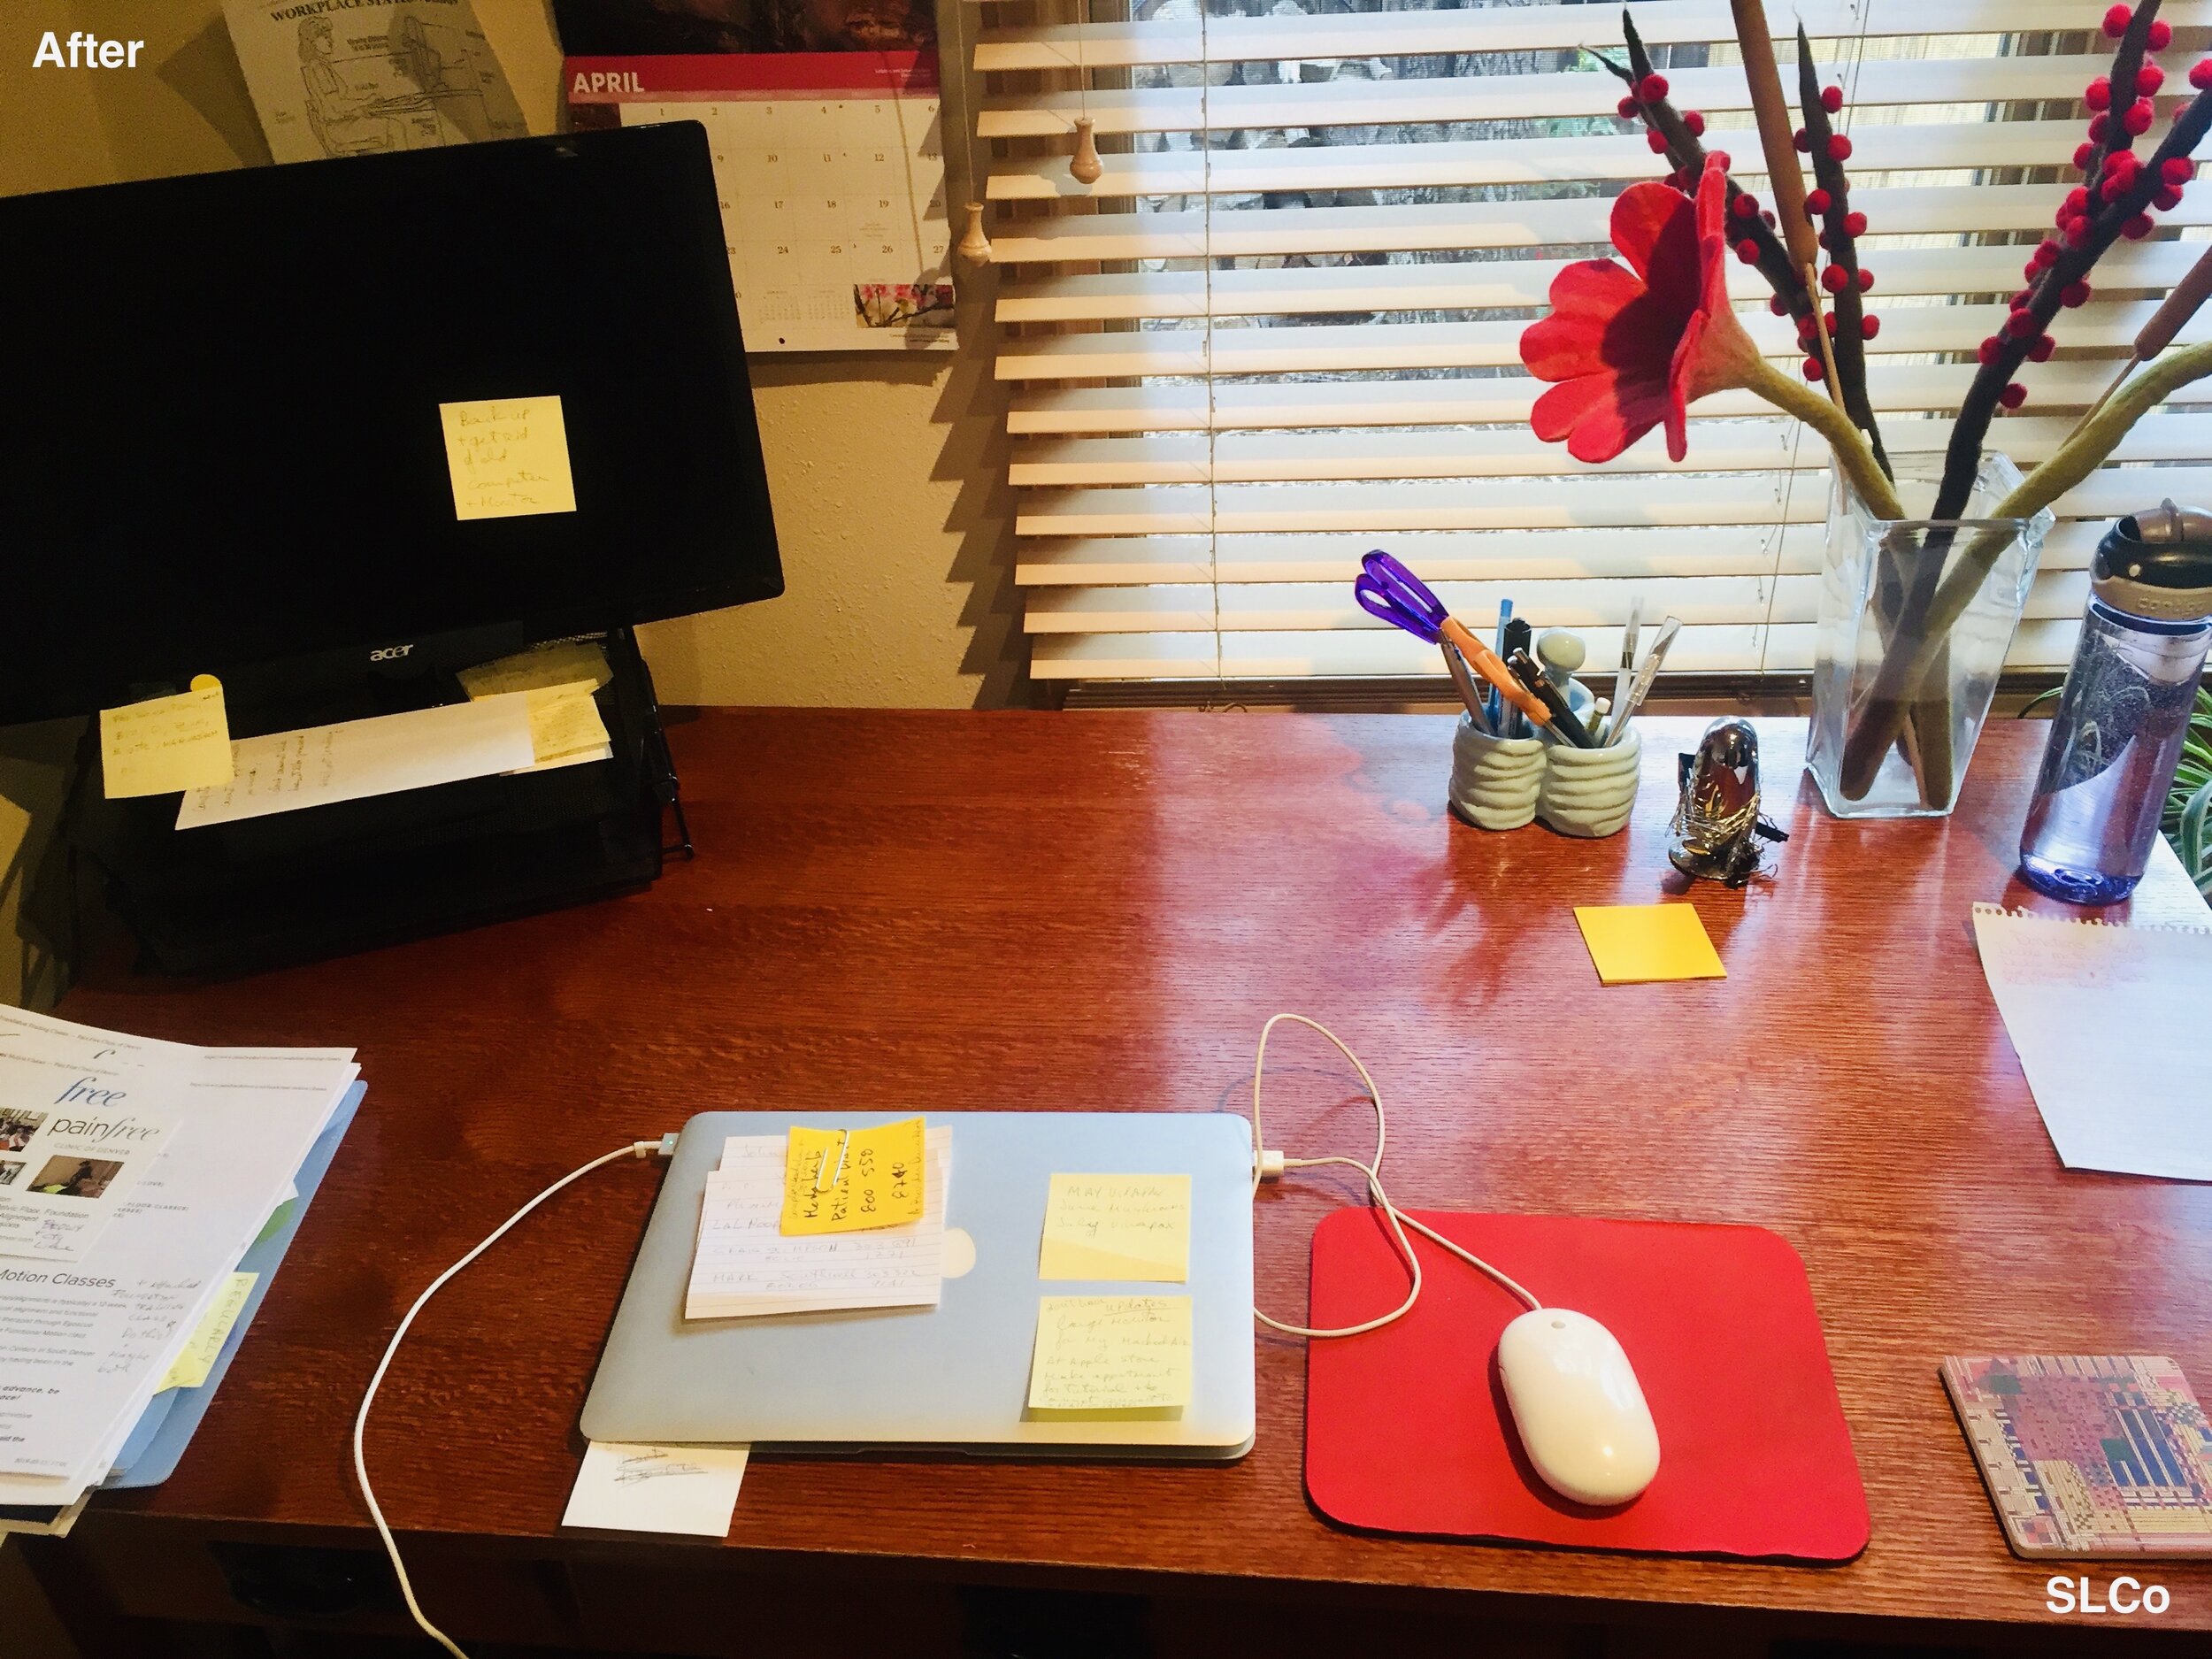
(1717, 828)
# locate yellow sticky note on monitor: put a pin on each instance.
(1111, 1354)
(508, 457)
(1117, 1226)
(191, 1367)
(565, 722)
(166, 743)
(879, 1183)
(1635, 944)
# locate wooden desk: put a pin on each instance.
(960, 911)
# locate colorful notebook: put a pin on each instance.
(2089, 1455)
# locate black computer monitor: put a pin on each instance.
(224, 393)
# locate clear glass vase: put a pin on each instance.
(1915, 617)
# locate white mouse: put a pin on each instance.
(1577, 1406)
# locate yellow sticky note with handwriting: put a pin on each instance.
(1633, 944)
(564, 663)
(1111, 1354)
(837, 1180)
(565, 722)
(191, 1367)
(508, 457)
(1117, 1226)
(165, 744)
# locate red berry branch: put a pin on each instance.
(1676, 134)
(2115, 199)
(1850, 325)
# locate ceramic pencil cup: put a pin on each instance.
(1590, 791)
(1495, 780)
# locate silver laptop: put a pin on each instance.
(956, 1376)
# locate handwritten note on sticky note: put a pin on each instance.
(1117, 1226)
(191, 1367)
(562, 663)
(838, 1181)
(1633, 944)
(509, 457)
(1111, 1354)
(179, 742)
(636, 1488)
(564, 721)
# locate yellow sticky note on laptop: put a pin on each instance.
(1634, 943)
(190, 1367)
(508, 457)
(1111, 1354)
(837, 1180)
(165, 744)
(1117, 1226)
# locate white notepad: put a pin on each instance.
(746, 1264)
(2108, 1022)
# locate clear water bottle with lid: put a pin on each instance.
(2121, 718)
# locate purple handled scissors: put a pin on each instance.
(1387, 589)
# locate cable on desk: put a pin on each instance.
(1268, 1164)
(665, 1147)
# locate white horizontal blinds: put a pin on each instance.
(1283, 328)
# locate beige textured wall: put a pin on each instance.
(887, 474)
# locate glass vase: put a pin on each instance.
(1915, 617)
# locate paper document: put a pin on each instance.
(165, 744)
(67, 1163)
(362, 78)
(84, 1344)
(1117, 1227)
(287, 771)
(657, 1488)
(1111, 1354)
(2108, 1023)
(745, 1264)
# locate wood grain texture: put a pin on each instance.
(957, 912)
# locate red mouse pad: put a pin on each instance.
(1407, 1428)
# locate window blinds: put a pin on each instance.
(1283, 327)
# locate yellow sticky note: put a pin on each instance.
(192, 1366)
(564, 721)
(179, 742)
(509, 457)
(534, 670)
(1117, 1226)
(879, 1185)
(1632, 943)
(1111, 1354)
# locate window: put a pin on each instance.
(1283, 327)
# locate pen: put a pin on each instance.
(1497, 700)
(1627, 675)
(1518, 635)
(1532, 674)
(1645, 675)
(1469, 694)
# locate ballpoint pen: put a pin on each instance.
(1387, 589)
(1645, 675)
(1497, 644)
(1627, 675)
(1532, 674)
(1518, 636)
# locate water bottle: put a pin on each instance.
(2124, 712)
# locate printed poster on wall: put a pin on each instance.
(827, 136)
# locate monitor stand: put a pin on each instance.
(349, 876)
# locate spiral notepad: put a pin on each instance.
(2108, 1022)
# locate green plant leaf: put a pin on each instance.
(2190, 843)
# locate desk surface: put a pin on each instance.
(1035, 912)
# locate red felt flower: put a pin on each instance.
(1633, 346)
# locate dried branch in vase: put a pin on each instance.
(1850, 324)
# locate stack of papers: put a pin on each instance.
(746, 1265)
(92, 1326)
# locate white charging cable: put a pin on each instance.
(1269, 1164)
(665, 1147)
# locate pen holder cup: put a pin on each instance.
(1495, 780)
(1590, 791)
